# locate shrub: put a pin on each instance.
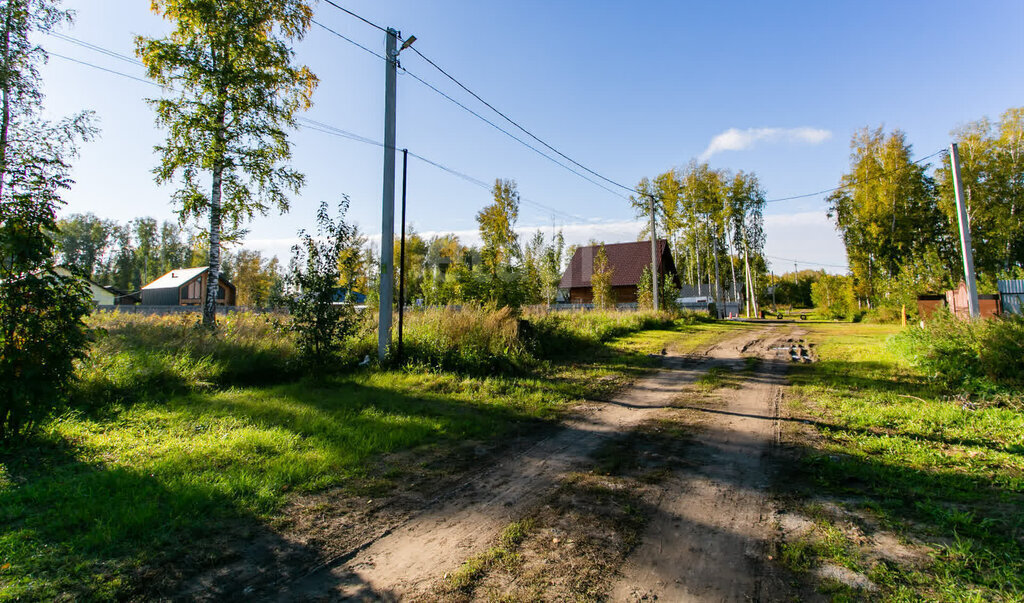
(41, 335)
(978, 356)
(322, 323)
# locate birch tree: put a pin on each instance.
(231, 93)
(601, 281)
(886, 210)
(992, 174)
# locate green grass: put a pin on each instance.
(466, 577)
(106, 492)
(910, 453)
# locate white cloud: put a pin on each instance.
(735, 139)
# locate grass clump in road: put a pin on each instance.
(137, 478)
(504, 554)
(916, 461)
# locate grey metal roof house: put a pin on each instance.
(186, 287)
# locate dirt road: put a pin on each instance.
(707, 540)
(692, 526)
(709, 520)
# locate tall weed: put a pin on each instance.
(554, 334)
(136, 355)
(470, 339)
(981, 357)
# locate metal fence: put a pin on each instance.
(1011, 294)
(150, 310)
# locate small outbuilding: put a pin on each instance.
(186, 287)
(957, 302)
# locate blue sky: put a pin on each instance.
(629, 89)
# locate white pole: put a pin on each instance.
(387, 224)
(654, 258)
(965, 234)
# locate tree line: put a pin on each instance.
(713, 221)
(898, 218)
(439, 269)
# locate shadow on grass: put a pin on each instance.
(159, 492)
(155, 490)
(900, 467)
(869, 379)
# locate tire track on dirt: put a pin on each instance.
(707, 538)
(409, 559)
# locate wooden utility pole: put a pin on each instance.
(965, 234)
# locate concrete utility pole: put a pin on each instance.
(965, 234)
(387, 222)
(654, 258)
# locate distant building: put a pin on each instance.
(627, 262)
(957, 302)
(100, 295)
(186, 287)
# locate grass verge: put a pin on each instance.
(899, 459)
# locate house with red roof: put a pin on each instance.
(627, 262)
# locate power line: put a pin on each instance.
(94, 66)
(335, 131)
(350, 40)
(472, 112)
(854, 183)
(493, 108)
(521, 128)
(807, 262)
(93, 47)
(509, 134)
(325, 128)
(363, 19)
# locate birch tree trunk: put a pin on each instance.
(5, 118)
(213, 274)
(718, 282)
(696, 250)
(732, 266)
(752, 297)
